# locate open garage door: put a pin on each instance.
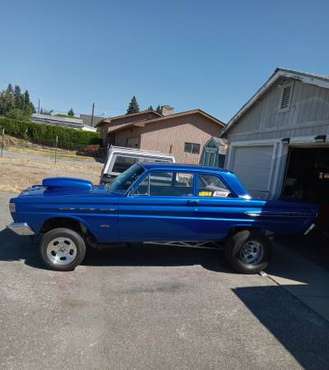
(307, 179)
(253, 165)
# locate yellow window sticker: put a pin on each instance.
(205, 193)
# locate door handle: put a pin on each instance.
(193, 203)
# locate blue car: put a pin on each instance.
(156, 202)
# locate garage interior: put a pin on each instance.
(307, 179)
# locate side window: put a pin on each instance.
(166, 184)
(212, 186)
(122, 163)
(184, 180)
(143, 187)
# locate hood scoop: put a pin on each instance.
(67, 184)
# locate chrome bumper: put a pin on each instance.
(21, 228)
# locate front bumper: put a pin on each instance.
(21, 228)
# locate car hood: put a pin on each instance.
(66, 186)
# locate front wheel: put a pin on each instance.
(62, 249)
(248, 251)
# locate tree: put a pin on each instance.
(70, 113)
(159, 109)
(10, 89)
(19, 100)
(19, 114)
(150, 108)
(15, 104)
(133, 106)
(26, 98)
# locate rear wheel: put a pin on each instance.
(62, 249)
(248, 252)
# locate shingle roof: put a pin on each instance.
(114, 118)
(168, 117)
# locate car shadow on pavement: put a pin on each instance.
(157, 255)
(22, 248)
(18, 248)
(300, 330)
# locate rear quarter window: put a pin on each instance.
(212, 186)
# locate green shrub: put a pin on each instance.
(68, 138)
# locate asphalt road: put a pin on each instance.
(149, 308)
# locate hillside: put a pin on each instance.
(24, 164)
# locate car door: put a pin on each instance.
(160, 208)
(216, 208)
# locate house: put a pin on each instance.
(279, 140)
(70, 122)
(180, 134)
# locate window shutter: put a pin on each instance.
(285, 97)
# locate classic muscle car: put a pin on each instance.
(155, 202)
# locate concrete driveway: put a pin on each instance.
(149, 308)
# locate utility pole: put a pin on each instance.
(56, 144)
(39, 106)
(92, 115)
(2, 142)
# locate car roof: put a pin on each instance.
(137, 151)
(181, 167)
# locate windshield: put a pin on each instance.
(122, 183)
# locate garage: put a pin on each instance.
(256, 160)
(307, 179)
(279, 139)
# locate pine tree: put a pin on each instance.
(27, 103)
(17, 90)
(19, 100)
(133, 106)
(150, 108)
(26, 98)
(10, 89)
(70, 113)
(159, 109)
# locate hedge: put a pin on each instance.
(68, 138)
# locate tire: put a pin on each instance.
(248, 251)
(62, 249)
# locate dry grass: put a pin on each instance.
(14, 144)
(19, 172)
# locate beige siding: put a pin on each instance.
(172, 134)
(123, 137)
(308, 114)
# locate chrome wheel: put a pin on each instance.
(251, 253)
(61, 251)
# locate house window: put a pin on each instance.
(285, 97)
(192, 148)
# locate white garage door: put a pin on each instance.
(253, 165)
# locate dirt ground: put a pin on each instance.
(18, 171)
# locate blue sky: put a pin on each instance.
(207, 54)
